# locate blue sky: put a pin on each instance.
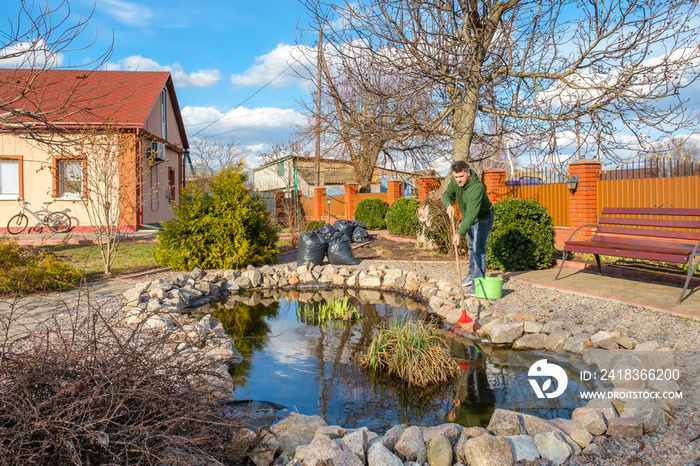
(229, 58)
(232, 61)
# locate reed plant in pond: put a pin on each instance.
(413, 352)
(327, 311)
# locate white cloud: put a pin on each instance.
(128, 13)
(250, 127)
(199, 78)
(30, 54)
(281, 67)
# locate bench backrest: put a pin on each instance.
(659, 222)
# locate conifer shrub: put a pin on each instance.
(372, 210)
(522, 236)
(226, 228)
(26, 269)
(401, 217)
(311, 225)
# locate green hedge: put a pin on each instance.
(228, 228)
(372, 210)
(522, 236)
(401, 217)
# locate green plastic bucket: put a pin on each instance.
(488, 287)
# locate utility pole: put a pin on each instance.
(319, 51)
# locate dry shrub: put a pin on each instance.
(87, 388)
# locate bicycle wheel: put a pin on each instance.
(17, 224)
(58, 222)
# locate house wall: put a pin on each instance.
(157, 198)
(37, 179)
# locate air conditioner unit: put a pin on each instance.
(155, 153)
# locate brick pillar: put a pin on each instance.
(426, 185)
(583, 203)
(319, 202)
(394, 190)
(494, 179)
(350, 199)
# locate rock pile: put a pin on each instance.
(509, 437)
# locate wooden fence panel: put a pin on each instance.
(554, 197)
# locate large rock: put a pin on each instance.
(649, 412)
(439, 451)
(591, 419)
(531, 341)
(488, 451)
(263, 452)
(574, 429)
(450, 430)
(296, 429)
(625, 427)
(506, 332)
(578, 343)
(356, 442)
(410, 443)
(347, 458)
(379, 455)
(321, 449)
(506, 422)
(553, 446)
(523, 447)
(556, 340)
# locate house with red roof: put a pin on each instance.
(46, 116)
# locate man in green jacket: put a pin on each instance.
(477, 218)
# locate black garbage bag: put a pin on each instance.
(339, 250)
(359, 235)
(312, 248)
(345, 227)
(357, 223)
(326, 231)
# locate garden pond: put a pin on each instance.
(293, 358)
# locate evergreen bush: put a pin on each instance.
(311, 225)
(372, 210)
(522, 236)
(228, 228)
(401, 217)
(25, 269)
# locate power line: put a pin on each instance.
(246, 100)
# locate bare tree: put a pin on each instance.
(42, 36)
(109, 179)
(210, 156)
(372, 125)
(555, 71)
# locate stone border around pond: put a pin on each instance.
(509, 437)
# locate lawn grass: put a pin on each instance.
(132, 257)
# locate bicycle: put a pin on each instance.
(58, 222)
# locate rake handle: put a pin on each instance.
(459, 273)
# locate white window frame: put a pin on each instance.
(15, 173)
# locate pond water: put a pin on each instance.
(313, 368)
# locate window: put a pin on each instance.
(11, 186)
(164, 112)
(70, 178)
(280, 168)
(171, 184)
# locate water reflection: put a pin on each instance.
(314, 369)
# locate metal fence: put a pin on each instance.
(652, 166)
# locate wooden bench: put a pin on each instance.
(629, 232)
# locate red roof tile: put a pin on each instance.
(82, 97)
